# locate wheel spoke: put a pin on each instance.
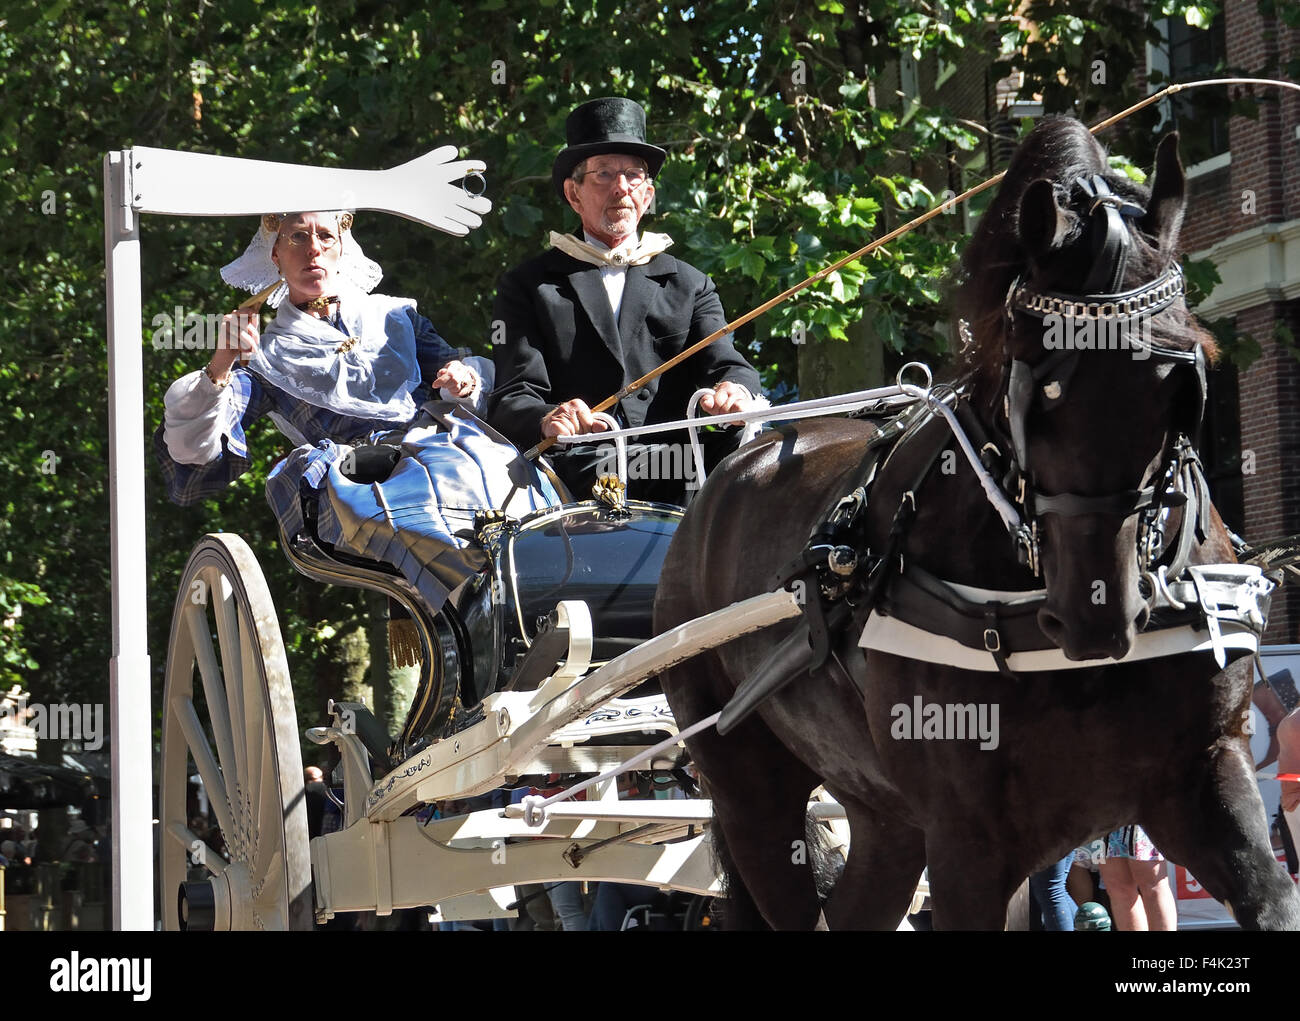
(188, 720)
(274, 862)
(224, 606)
(196, 620)
(263, 781)
(270, 816)
(271, 906)
(212, 861)
(254, 703)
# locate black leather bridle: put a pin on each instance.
(1045, 384)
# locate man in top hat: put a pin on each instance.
(605, 306)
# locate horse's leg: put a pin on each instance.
(763, 822)
(761, 811)
(972, 879)
(879, 879)
(1220, 833)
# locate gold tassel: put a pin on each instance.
(403, 643)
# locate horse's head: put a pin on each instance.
(1091, 368)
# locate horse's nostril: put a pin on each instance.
(1051, 624)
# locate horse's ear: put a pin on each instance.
(1164, 215)
(1043, 224)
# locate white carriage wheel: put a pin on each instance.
(243, 740)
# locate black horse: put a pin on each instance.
(1088, 444)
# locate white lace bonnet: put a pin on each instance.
(254, 271)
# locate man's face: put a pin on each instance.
(610, 211)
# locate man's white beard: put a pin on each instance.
(620, 228)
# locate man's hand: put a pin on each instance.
(457, 378)
(727, 398)
(572, 418)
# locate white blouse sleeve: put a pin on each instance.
(195, 419)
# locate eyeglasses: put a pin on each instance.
(303, 238)
(636, 176)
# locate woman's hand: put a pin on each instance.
(457, 378)
(237, 340)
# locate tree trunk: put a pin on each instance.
(340, 667)
(828, 366)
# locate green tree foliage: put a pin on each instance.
(788, 148)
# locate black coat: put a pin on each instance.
(556, 339)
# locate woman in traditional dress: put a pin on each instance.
(337, 363)
(340, 370)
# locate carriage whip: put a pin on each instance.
(821, 274)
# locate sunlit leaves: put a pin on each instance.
(787, 152)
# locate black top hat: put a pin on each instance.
(601, 126)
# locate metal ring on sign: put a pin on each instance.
(925, 369)
(464, 184)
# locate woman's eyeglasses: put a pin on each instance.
(303, 237)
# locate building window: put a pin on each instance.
(1200, 116)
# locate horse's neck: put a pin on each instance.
(955, 533)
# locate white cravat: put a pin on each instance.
(613, 262)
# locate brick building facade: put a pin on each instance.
(1244, 215)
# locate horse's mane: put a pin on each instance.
(1060, 149)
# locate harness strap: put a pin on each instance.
(1147, 299)
(792, 657)
(1020, 393)
(923, 600)
(1110, 239)
(1194, 522)
(993, 640)
(882, 572)
(1127, 502)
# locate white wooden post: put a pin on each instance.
(128, 679)
(146, 180)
